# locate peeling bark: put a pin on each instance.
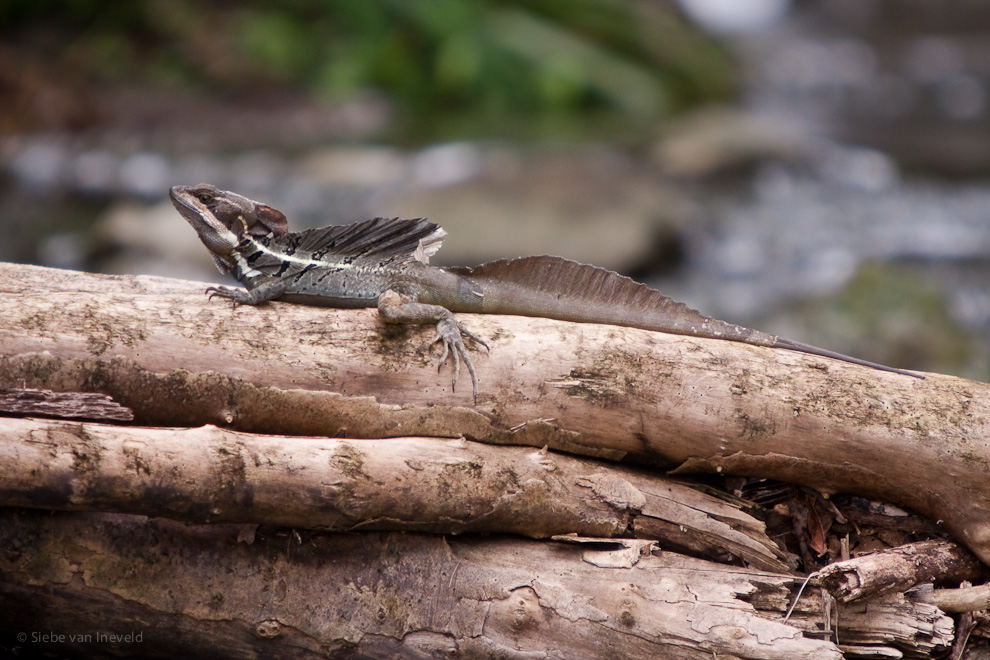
(373, 595)
(78, 405)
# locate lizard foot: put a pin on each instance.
(449, 331)
(236, 295)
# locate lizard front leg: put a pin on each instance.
(397, 307)
(256, 296)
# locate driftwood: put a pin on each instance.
(378, 595)
(898, 569)
(258, 580)
(412, 484)
(160, 348)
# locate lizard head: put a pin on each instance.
(222, 219)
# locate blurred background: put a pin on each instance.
(814, 168)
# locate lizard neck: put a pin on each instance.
(253, 262)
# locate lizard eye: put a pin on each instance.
(206, 198)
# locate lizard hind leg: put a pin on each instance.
(396, 307)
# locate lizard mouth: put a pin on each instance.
(183, 201)
(218, 238)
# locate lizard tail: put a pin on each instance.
(558, 288)
(823, 352)
(553, 287)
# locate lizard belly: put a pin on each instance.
(329, 301)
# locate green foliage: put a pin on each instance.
(480, 62)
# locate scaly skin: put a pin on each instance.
(383, 263)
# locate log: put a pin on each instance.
(413, 484)
(158, 347)
(77, 576)
(898, 569)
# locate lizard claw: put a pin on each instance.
(449, 331)
(235, 295)
(219, 291)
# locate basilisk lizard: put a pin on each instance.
(383, 262)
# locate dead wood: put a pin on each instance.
(415, 484)
(79, 405)
(899, 569)
(404, 595)
(963, 599)
(159, 347)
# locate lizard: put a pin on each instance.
(384, 263)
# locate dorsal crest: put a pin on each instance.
(381, 240)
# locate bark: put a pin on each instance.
(373, 595)
(82, 405)
(160, 348)
(414, 484)
(898, 569)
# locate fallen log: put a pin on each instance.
(110, 584)
(158, 347)
(444, 486)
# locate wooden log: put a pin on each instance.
(898, 569)
(160, 348)
(198, 591)
(414, 484)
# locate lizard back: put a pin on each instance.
(340, 265)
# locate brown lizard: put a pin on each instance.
(383, 263)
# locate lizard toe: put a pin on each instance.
(219, 292)
(449, 332)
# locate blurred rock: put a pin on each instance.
(39, 164)
(357, 166)
(447, 164)
(149, 240)
(734, 17)
(593, 204)
(714, 140)
(66, 249)
(908, 78)
(145, 174)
